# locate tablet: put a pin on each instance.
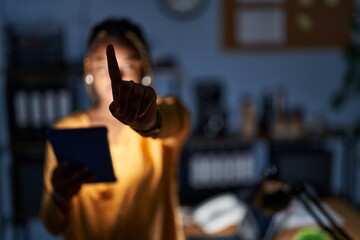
(84, 147)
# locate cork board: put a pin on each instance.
(279, 24)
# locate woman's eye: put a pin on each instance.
(127, 66)
(102, 66)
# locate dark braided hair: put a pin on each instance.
(117, 28)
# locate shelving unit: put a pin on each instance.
(35, 100)
(231, 164)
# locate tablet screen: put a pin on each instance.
(84, 147)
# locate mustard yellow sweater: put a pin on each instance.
(142, 204)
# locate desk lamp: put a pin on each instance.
(273, 188)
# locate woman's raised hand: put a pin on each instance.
(133, 104)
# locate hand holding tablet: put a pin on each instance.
(84, 148)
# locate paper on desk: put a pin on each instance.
(295, 216)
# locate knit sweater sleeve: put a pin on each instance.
(51, 215)
(175, 120)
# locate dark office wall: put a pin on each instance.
(2, 80)
(309, 75)
(5, 160)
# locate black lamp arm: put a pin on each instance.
(301, 192)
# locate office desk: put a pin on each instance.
(194, 231)
(350, 215)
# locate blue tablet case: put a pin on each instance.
(84, 147)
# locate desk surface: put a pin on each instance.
(343, 208)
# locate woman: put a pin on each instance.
(146, 134)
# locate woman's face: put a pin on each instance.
(129, 61)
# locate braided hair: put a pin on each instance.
(116, 28)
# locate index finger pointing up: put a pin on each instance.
(114, 70)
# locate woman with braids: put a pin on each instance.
(146, 134)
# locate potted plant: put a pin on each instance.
(350, 86)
